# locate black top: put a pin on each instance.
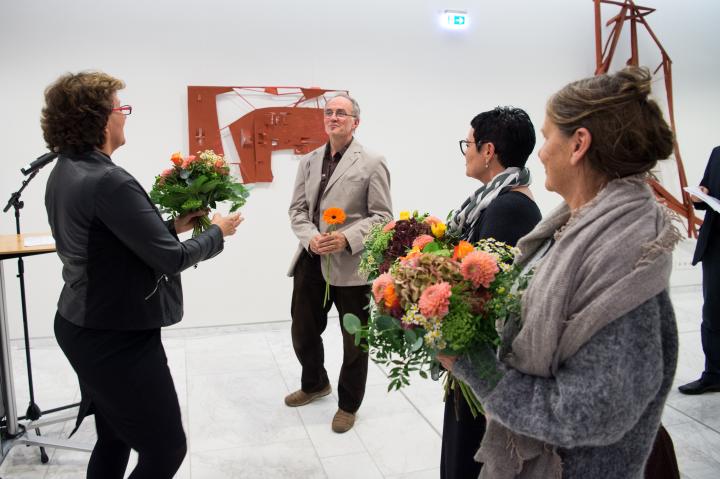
(121, 262)
(507, 218)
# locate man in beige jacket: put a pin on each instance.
(341, 174)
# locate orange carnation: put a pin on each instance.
(461, 250)
(334, 216)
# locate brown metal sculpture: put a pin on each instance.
(297, 125)
(635, 14)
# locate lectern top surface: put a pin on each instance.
(14, 245)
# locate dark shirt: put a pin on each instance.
(330, 162)
(507, 218)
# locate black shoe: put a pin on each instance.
(700, 386)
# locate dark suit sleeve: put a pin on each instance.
(125, 209)
(713, 164)
(508, 218)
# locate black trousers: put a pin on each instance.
(309, 320)
(662, 463)
(461, 439)
(125, 381)
(710, 328)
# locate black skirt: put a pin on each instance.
(124, 377)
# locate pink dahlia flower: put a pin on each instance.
(379, 285)
(431, 220)
(389, 226)
(422, 241)
(435, 300)
(479, 267)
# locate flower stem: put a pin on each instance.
(201, 224)
(327, 281)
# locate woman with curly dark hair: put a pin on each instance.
(121, 268)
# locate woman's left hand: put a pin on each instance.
(186, 222)
(447, 361)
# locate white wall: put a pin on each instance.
(418, 86)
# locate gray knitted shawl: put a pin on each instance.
(609, 257)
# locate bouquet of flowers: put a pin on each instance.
(385, 243)
(197, 183)
(442, 295)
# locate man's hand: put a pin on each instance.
(328, 243)
(695, 199)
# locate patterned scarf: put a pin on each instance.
(464, 218)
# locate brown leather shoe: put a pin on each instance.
(343, 421)
(301, 398)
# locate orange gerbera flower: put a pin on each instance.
(461, 250)
(334, 216)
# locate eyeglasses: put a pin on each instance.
(340, 114)
(125, 109)
(464, 145)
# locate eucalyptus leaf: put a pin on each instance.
(385, 323)
(352, 323)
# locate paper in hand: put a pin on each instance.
(711, 201)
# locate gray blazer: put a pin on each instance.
(360, 185)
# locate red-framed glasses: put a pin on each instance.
(125, 109)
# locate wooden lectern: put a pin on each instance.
(13, 246)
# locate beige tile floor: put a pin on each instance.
(231, 382)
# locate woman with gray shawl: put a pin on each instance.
(585, 371)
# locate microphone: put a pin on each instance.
(39, 163)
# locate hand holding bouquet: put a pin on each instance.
(197, 183)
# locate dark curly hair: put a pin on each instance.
(76, 111)
(629, 133)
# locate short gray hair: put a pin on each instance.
(355, 106)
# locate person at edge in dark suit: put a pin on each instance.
(707, 251)
(341, 174)
(496, 149)
(121, 268)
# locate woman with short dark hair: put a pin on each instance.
(496, 149)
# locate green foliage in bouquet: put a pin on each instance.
(373, 255)
(400, 350)
(197, 183)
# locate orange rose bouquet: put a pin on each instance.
(195, 183)
(333, 217)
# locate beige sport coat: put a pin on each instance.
(360, 185)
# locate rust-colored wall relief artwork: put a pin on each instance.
(635, 15)
(271, 119)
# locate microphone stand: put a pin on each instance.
(33, 411)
